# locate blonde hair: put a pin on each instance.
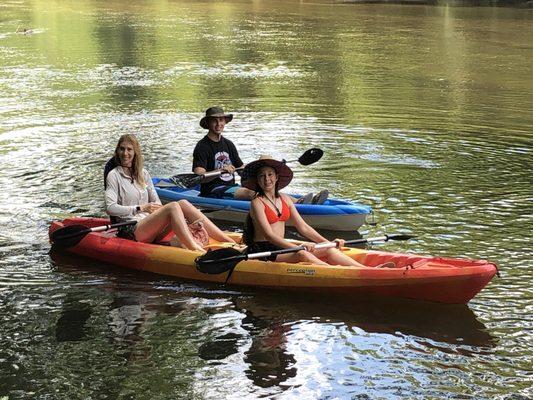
(137, 163)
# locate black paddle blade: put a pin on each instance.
(398, 236)
(68, 236)
(186, 181)
(311, 156)
(219, 261)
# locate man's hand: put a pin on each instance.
(230, 169)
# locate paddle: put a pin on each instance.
(223, 260)
(71, 235)
(190, 180)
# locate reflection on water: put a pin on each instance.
(449, 324)
(270, 363)
(71, 325)
(424, 113)
(256, 332)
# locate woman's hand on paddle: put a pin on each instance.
(340, 242)
(309, 246)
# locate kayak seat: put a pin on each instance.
(431, 264)
(401, 260)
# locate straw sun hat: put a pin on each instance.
(249, 174)
(214, 112)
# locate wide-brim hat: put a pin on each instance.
(214, 112)
(249, 174)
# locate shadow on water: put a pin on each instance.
(132, 300)
(455, 324)
(269, 319)
(441, 322)
(267, 322)
(268, 359)
(71, 324)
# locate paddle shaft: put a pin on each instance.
(216, 173)
(112, 226)
(324, 245)
(190, 180)
(295, 249)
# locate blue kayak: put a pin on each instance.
(334, 214)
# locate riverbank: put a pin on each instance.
(452, 3)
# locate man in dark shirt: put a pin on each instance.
(216, 153)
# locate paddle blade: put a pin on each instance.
(219, 261)
(68, 236)
(311, 156)
(398, 236)
(186, 181)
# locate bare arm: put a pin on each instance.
(199, 171)
(301, 226)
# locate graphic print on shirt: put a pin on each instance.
(222, 159)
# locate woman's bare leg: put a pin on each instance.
(163, 234)
(243, 194)
(170, 214)
(192, 214)
(301, 256)
(337, 257)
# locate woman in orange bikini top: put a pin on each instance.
(277, 215)
(269, 212)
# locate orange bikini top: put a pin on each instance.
(273, 216)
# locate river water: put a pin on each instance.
(424, 113)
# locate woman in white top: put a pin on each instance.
(130, 195)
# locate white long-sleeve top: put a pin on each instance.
(122, 196)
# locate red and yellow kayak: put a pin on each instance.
(445, 280)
